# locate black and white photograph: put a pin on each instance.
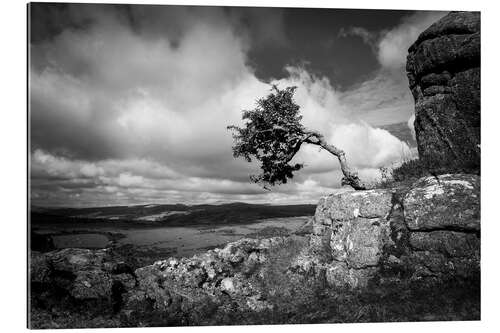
(193, 165)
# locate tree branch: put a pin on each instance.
(350, 177)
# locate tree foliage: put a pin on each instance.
(273, 135)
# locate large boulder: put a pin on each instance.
(443, 68)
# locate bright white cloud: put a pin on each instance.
(393, 45)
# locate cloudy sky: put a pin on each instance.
(129, 104)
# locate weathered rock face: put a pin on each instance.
(443, 68)
(430, 197)
(431, 230)
(350, 229)
(211, 278)
(83, 274)
(442, 216)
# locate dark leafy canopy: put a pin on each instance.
(272, 134)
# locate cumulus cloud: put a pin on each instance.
(385, 98)
(380, 100)
(127, 113)
(393, 45)
(325, 109)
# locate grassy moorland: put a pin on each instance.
(166, 215)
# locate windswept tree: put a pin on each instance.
(273, 134)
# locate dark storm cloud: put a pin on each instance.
(366, 36)
(314, 35)
(130, 104)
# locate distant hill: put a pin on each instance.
(172, 215)
(402, 132)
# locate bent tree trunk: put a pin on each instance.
(350, 177)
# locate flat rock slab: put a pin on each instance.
(351, 205)
(446, 202)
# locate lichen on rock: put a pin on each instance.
(444, 202)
